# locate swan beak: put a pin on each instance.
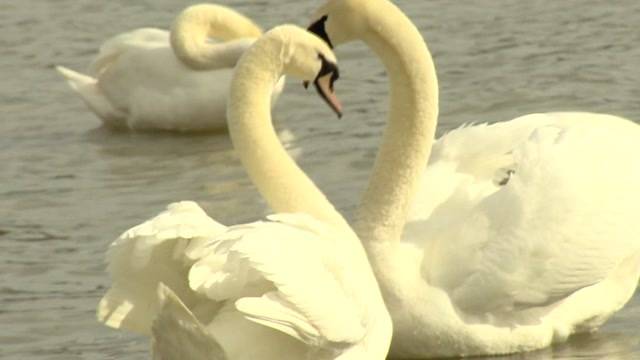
(324, 85)
(305, 84)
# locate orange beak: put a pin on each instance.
(324, 85)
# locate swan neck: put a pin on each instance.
(281, 182)
(407, 139)
(194, 29)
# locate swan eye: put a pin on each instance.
(318, 28)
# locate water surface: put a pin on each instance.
(68, 187)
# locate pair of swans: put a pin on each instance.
(515, 236)
(150, 79)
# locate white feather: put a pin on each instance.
(311, 292)
(184, 274)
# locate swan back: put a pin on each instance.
(110, 50)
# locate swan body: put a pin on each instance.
(294, 286)
(517, 234)
(151, 79)
(530, 244)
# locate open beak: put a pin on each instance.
(324, 85)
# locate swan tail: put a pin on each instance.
(75, 79)
(176, 334)
(93, 97)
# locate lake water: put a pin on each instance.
(68, 187)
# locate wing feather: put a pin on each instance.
(307, 301)
(272, 311)
(563, 222)
(148, 254)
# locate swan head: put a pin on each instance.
(310, 59)
(341, 21)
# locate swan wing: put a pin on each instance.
(563, 222)
(467, 163)
(473, 161)
(157, 251)
(290, 259)
(479, 149)
(176, 334)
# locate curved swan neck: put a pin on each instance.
(194, 27)
(278, 178)
(407, 140)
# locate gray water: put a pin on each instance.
(69, 187)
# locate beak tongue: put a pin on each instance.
(324, 85)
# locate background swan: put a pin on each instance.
(292, 287)
(527, 232)
(152, 79)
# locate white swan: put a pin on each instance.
(529, 231)
(148, 79)
(295, 286)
